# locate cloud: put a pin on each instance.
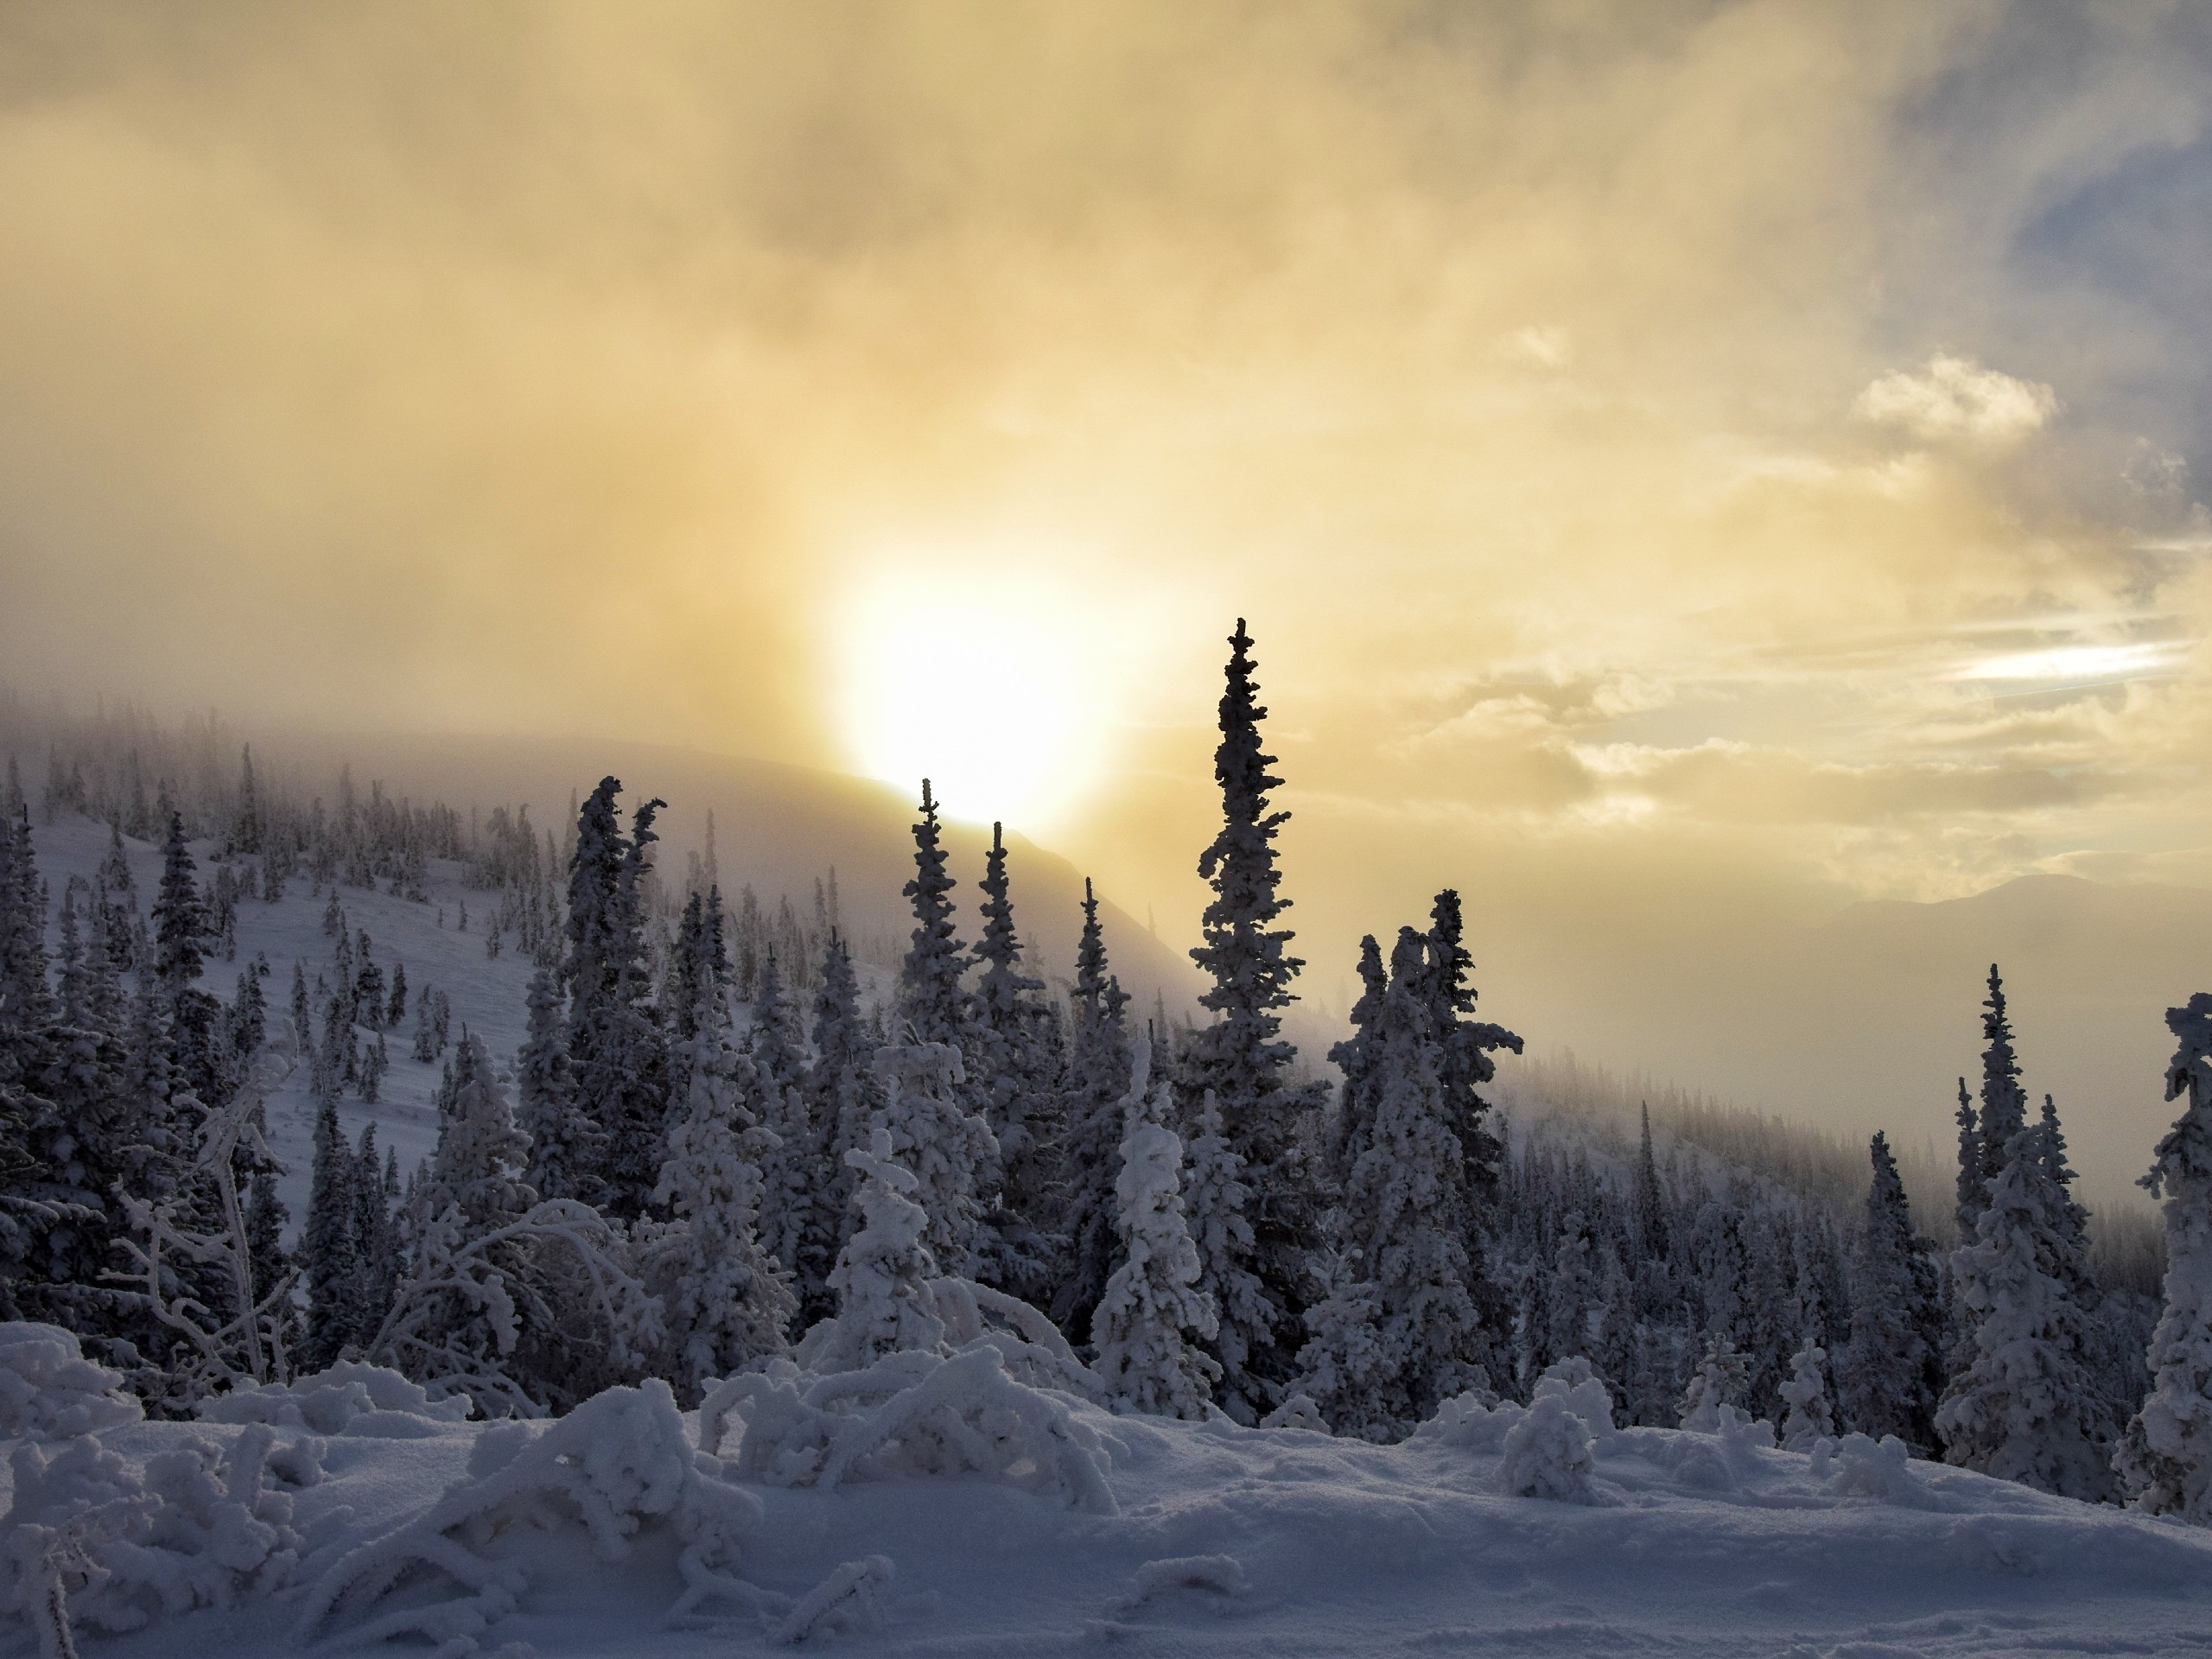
(1955, 397)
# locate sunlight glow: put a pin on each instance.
(2077, 663)
(996, 691)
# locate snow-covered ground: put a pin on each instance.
(1212, 1539)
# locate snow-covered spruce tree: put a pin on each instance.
(840, 1094)
(1242, 1061)
(1099, 1062)
(2164, 1461)
(1405, 1223)
(378, 1250)
(2004, 1102)
(1986, 1131)
(617, 1051)
(1152, 1317)
(1721, 1377)
(1891, 1374)
(796, 1223)
(180, 955)
(946, 1147)
(1014, 1063)
(2026, 1407)
(1464, 1065)
(565, 1146)
(727, 1304)
(882, 1275)
(1214, 1194)
(330, 1246)
(698, 976)
(476, 1167)
(1806, 1394)
(1356, 1057)
(1647, 1200)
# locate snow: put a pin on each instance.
(608, 1533)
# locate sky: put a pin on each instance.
(1687, 467)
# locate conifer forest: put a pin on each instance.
(911, 1218)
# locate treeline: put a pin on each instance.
(701, 1156)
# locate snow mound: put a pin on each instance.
(350, 1398)
(1865, 1468)
(1221, 1575)
(1548, 1453)
(909, 1413)
(50, 1391)
(91, 1541)
(619, 1460)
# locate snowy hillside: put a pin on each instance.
(378, 1513)
(425, 938)
(486, 992)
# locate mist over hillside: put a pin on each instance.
(777, 828)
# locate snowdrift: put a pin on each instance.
(974, 1513)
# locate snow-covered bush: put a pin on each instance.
(350, 1398)
(1300, 1412)
(1806, 1393)
(48, 1390)
(890, 1299)
(1862, 1467)
(908, 1414)
(1719, 1380)
(619, 1461)
(1576, 1382)
(88, 1542)
(1153, 1316)
(1548, 1453)
(884, 1306)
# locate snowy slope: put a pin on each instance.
(1694, 1544)
(487, 994)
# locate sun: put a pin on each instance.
(989, 690)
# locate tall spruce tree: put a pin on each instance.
(2164, 1461)
(1358, 1057)
(1973, 1187)
(933, 1001)
(1890, 1372)
(330, 1245)
(2004, 1102)
(1242, 1060)
(1405, 1229)
(617, 1051)
(2026, 1406)
(1098, 1074)
(796, 1223)
(1014, 1062)
(839, 1095)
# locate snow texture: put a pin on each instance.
(615, 1532)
